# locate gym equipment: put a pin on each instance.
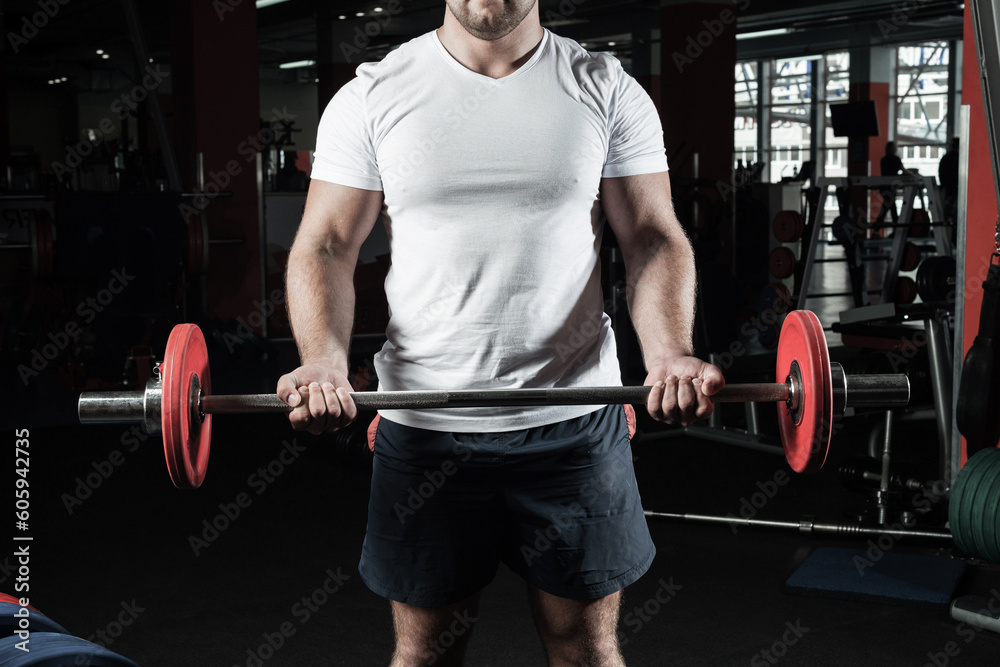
(38, 622)
(781, 262)
(49, 649)
(976, 610)
(198, 243)
(788, 226)
(806, 526)
(979, 389)
(936, 279)
(920, 226)
(906, 290)
(911, 257)
(39, 243)
(776, 297)
(179, 402)
(972, 511)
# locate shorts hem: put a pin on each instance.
(594, 591)
(419, 598)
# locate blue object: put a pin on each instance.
(37, 621)
(878, 576)
(48, 649)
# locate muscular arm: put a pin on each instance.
(320, 296)
(661, 288)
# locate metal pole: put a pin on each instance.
(415, 400)
(142, 62)
(987, 35)
(114, 406)
(806, 525)
(940, 370)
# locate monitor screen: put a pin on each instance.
(854, 119)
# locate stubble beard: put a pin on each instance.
(490, 27)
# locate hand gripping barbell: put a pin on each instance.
(179, 402)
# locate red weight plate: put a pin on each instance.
(911, 257)
(787, 226)
(4, 597)
(806, 439)
(781, 262)
(906, 290)
(186, 438)
(921, 223)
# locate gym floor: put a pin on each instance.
(124, 559)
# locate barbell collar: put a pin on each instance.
(111, 407)
(877, 391)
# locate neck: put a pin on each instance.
(497, 58)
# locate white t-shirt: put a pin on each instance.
(491, 208)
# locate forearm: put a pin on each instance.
(661, 296)
(320, 296)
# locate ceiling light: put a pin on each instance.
(64, 79)
(341, 17)
(763, 33)
(100, 52)
(105, 56)
(611, 43)
(377, 9)
(360, 14)
(267, 3)
(297, 63)
(583, 43)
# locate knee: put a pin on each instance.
(580, 649)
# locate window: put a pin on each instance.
(922, 90)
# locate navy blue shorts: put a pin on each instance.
(558, 504)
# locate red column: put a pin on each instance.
(697, 104)
(982, 204)
(216, 105)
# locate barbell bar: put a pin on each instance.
(178, 402)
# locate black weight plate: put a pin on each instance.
(979, 503)
(962, 494)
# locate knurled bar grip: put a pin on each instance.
(415, 400)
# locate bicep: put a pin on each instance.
(640, 212)
(337, 217)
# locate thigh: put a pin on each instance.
(434, 517)
(575, 526)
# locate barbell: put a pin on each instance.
(178, 402)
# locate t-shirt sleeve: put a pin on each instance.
(344, 151)
(636, 137)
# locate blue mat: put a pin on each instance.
(854, 574)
